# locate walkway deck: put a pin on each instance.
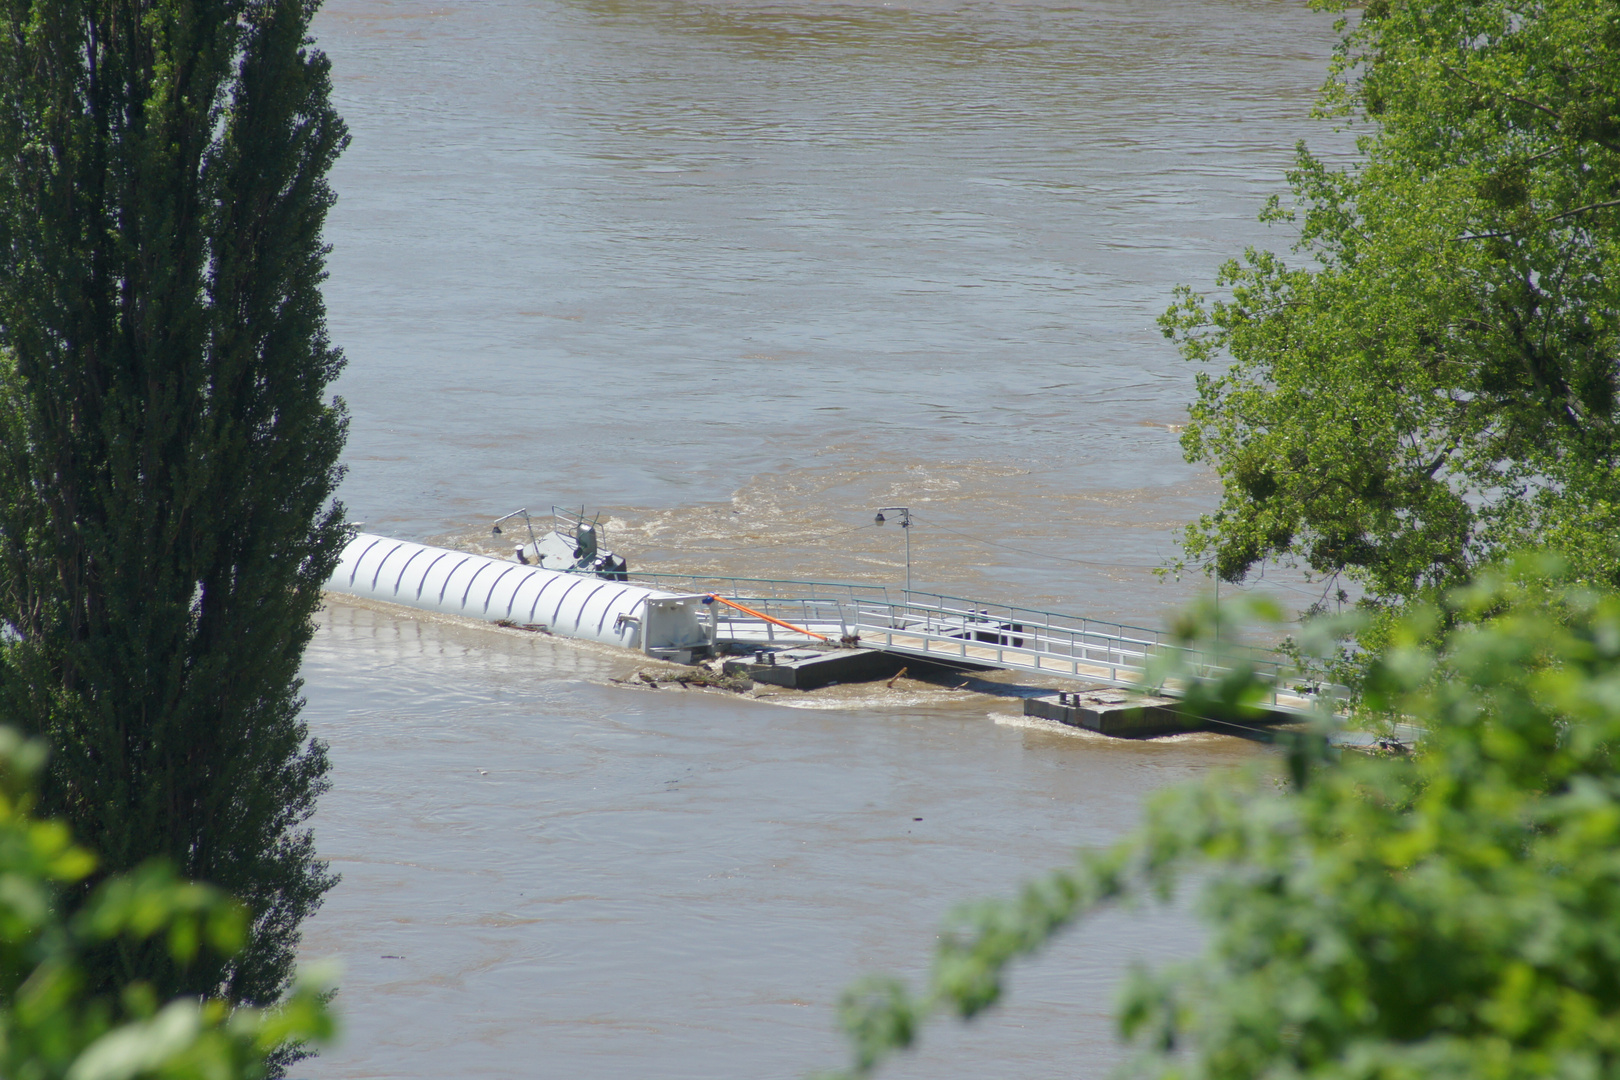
(955, 631)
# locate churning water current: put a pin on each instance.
(737, 274)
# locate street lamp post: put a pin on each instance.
(495, 529)
(905, 524)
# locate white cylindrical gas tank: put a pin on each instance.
(479, 587)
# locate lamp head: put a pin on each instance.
(880, 519)
(495, 531)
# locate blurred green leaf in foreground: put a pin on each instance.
(51, 1027)
(1452, 912)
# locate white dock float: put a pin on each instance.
(661, 624)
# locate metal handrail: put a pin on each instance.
(975, 630)
(976, 633)
(1017, 613)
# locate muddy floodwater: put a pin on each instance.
(736, 274)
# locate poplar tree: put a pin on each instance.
(169, 451)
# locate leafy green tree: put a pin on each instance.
(168, 453)
(53, 1025)
(1450, 912)
(1434, 382)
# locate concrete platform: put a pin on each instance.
(1114, 712)
(1131, 715)
(806, 669)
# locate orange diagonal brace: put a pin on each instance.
(767, 618)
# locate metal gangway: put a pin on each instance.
(959, 632)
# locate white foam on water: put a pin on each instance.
(1051, 727)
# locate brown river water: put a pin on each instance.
(736, 274)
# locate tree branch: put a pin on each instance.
(1440, 459)
(1526, 102)
(1582, 210)
(1549, 110)
(1545, 221)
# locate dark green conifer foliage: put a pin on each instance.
(166, 513)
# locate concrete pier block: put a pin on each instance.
(1114, 712)
(806, 669)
